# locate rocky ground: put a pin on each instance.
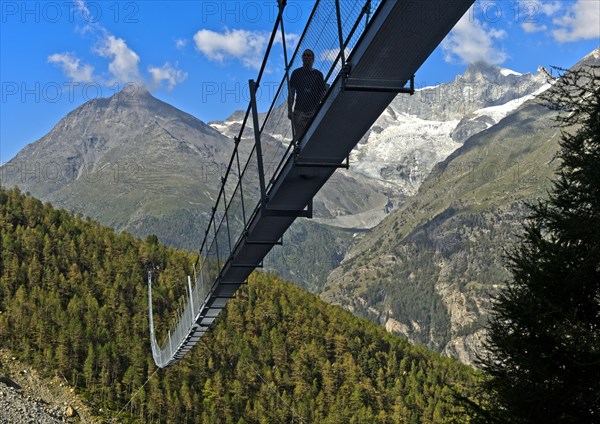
(26, 397)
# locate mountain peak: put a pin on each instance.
(481, 66)
(482, 71)
(138, 91)
(132, 93)
(594, 54)
(591, 59)
(478, 70)
(131, 123)
(506, 72)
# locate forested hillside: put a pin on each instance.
(73, 301)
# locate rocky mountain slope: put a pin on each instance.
(427, 271)
(131, 161)
(26, 397)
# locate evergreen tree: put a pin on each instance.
(543, 345)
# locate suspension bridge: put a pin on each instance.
(368, 52)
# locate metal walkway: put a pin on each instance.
(368, 52)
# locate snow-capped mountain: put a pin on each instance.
(410, 137)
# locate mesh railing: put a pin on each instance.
(333, 29)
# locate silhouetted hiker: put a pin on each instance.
(307, 87)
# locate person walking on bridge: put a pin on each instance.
(307, 87)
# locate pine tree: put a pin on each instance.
(543, 343)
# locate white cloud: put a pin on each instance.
(72, 67)
(124, 64)
(291, 40)
(171, 75)
(531, 12)
(246, 46)
(581, 22)
(550, 8)
(531, 27)
(83, 9)
(471, 41)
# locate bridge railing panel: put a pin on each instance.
(223, 235)
(250, 183)
(204, 281)
(236, 213)
(213, 261)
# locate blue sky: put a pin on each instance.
(199, 55)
